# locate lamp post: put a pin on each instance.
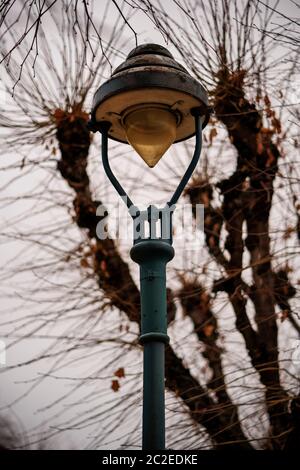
(151, 102)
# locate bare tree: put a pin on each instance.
(235, 383)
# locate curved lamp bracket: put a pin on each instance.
(152, 215)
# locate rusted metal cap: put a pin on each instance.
(150, 76)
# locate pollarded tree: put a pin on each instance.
(232, 300)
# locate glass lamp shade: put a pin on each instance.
(150, 131)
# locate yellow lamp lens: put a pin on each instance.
(150, 131)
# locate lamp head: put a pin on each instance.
(149, 100)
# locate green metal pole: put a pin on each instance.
(152, 256)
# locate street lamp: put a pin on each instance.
(151, 102)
